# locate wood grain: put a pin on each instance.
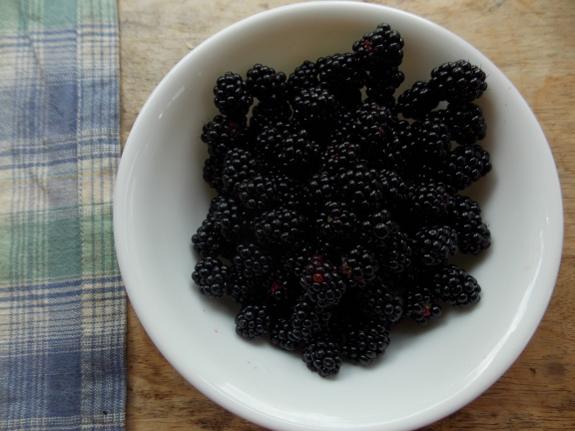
(533, 43)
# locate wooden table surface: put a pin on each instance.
(533, 43)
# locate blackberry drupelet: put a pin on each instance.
(417, 101)
(465, 122)
(264, 82)
(465, 165)
(379, 49)
(212, 276)
(322, 282)
(456, 286)
(435, 244)
(231, 95)
(253, 321)
(323, 357)
(464, 215)
(364, 341)
(459, 81)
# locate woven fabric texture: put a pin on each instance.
(62, 301)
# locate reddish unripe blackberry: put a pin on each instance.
(322, 282)
(379, 49)
(436, 244)
(223, 133)
(322, 357)
(465, 165)
(253, 321)
(465, 122)
(211, 276)
(459, 81)
(264, 82)
(364, 342)
(231, 95)
(456, 286)
(417, 101)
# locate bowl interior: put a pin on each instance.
(427, 373)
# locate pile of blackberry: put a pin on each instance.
(339, 208)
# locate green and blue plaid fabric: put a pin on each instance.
(62, 301)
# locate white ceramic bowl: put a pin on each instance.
(425, 374)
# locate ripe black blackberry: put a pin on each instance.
(465, 122)
(206, 240)
(465, 165)
(306, 320)
(322, 282)
(323, 357)
(264, 82)
(417, 101)
(433, 140)
(239, 164)
(341, 71)
(381, 85)
(421, 304)
(364, 341)
(321, 187)
(360, 187)
(435, 244)
(268, 113)
(299, 155)
(359, 266)
(283, 335)
(379, 49)
(427, 201)
(211, 276)
(464, 215)
(280, 291)
(376, 227)
(243, 290)
(304, 76)
(336, 221)
(394, 187)
(253, 321)
(280, 227)
(269, 140)
(212, 173)
(456, 286)
(314, 105)
(396, 151)
(459, 81)
(257, 193)
(252, 261)
(231, 95)
(340, 156)
(372, 127)
(396, 252)
(223, 133)
(381, 303)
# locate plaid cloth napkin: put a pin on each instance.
(62, 301)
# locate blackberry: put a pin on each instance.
(428, 201)
(258, 193)
(238, 165)
(417, 101)
(270, 139)
(291, 192)
(212, 173)
(299, 154)
(231, 95)
(223, 133)
(304, 76)
(464, 215)
(321, 187)
(381, 85)
(243, 290)
(231, 218)
(314, 105)
(381, 303)
(394, 187)
(421, 304)
(253, 321)
(365, 341)
(380, 49)
(396, 152)
(359, 266)
(456, 286)
(360, 187)
(306, 320)
(322, 357)
(269, 112)
(336, 221)
(433, 139)
(341, 156)
(283, 335)
(322, 282)
(373, 125)
(206, 240)
(465, 165)
(396, 252)
(252, 261)
(211, 276)
(341, 70)
(281, 291)
(376, 227)
(465, 122)
(436, 244)
(459, 81)
(281, 227)
(264, 82)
